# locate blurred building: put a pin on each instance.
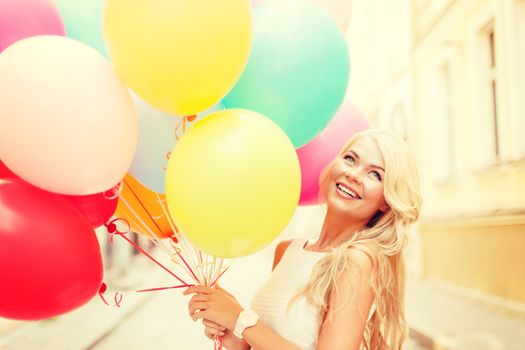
(449, 76)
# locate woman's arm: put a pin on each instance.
(344, 324)
(279, 252)
(259, 336)
(263, 337)
(221, 308)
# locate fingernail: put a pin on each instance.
(221, 334)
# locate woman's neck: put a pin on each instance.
(336, 229)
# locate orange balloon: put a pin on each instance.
(142, 209)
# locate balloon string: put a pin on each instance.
(144, 207)
(111, 227)
(166, 249)
(155, 239)
(147, 229)
(141, 225)
(189, 268)
(202, 264)
(178, 127)
(101, 291)
(172, 224)
(136, 218)
(163, 288)
(182, 125)
(218, 270)
(211, 268)
(220, 275)
(166, 213)
(217, 343)
(117, 297)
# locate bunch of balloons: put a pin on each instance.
(67, 136)
(195, 113)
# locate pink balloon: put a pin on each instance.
(97, 208)
(24, 18)
(316, 154)
(340, 10)
(50, 261)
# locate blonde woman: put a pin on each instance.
(345, 290)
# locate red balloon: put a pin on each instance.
(5, 172)
(98, 207)
(50, 260)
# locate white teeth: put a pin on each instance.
(347, 191)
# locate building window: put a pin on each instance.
(488, 145)
(491, 79)
(443, 125)
(518, 44)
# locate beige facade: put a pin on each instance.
(450, 77)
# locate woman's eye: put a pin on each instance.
(376, 175)
(349, 158)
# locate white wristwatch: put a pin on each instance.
(246, 319)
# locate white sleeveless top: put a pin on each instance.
(299, 324)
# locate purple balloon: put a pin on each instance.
(20, 19)
(316, 154)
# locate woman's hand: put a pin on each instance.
(229, 341)
(212, 329)
(215, 305)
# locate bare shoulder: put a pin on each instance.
(363, 257)
(350, 303)
(279, 252)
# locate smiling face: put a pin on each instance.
(354, 183)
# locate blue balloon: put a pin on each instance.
(298, 70)
(83, 20)
(157, 137)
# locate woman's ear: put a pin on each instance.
(384, 208)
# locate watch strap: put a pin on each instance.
(246, 319)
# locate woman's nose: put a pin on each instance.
(354, 174)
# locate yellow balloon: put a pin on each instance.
(181, 56)
(233, 182)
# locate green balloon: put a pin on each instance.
(83, 20)
(298, 69)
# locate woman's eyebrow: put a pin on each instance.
(356, 156)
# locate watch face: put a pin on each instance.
(251, 318)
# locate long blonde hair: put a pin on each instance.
(383, 239)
